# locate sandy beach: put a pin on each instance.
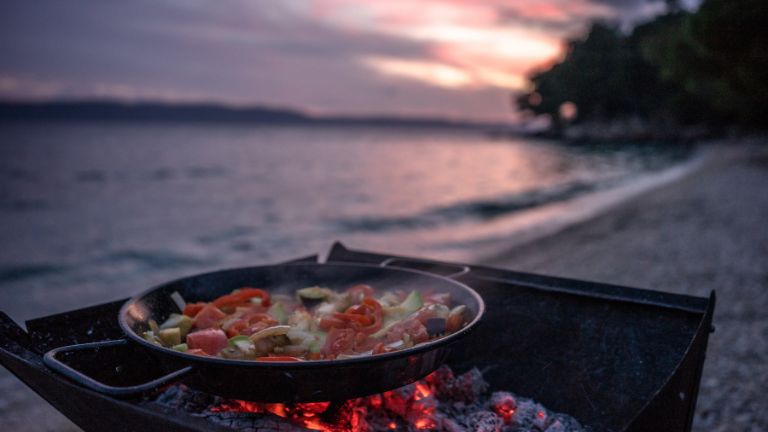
(706, 231)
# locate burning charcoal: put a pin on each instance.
(440, 402)
(441, 381)
(253, 422)
(397, 400)
(379, 420)
(484, 421)
(450, 425)
(469, 386)
(563, 423)
(503, 404)
(183, 398)
(425, 423)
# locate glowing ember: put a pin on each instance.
(440, 402)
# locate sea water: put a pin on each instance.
(91, 212)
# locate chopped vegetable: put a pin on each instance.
(315, 293)
(191, 310)
(242, 296)
(411, 304)
(269, 332)
(277, 311)
(208, 317)
(179, 300)
(170, 336)
(210, 340)
(183, 322)
(316, 323)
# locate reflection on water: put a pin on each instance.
(105, 210)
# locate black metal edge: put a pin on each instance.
(707, 327)
(51, 359)
(603, 291)
(52, 331)
(649, 413)
(19, 358)
(13, 332)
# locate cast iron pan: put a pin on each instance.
(320, 380)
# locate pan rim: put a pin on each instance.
(423, 347)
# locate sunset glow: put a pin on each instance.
(450, 58)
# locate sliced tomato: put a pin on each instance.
(363, 342)
(209, 340)
(241, 297)
(209, 316)
(337, 342)
(193, 308)
(328, 322)
(196, 351)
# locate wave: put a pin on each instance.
(22, 272)
(483, 209)
(154, 259)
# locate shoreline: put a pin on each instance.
(703, 231)
(551, 219)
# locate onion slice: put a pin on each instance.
(278, 330)
(179, 300)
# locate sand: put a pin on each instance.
(708, 231)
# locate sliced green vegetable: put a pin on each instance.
(236, 339)
(277, 311)
(150, 337)
(180, 347)
(183, 322)
(383, 330)
(170, 336)
(153, 326)
(411, 304)
(241, 342)
(314, 293)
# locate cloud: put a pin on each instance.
(444, 57)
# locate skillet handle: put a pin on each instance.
(461, 269)
(50, 359)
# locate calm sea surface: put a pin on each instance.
(95, 212)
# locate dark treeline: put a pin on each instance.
(708, 67)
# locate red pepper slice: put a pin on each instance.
(192, 309)
(365, 317)
(279, 359)
(242, 297)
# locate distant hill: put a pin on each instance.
(159, 112)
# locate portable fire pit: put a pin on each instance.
(613, 358)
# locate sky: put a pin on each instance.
(457, 59)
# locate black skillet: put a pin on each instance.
(320, 380)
